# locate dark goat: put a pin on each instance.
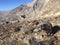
(23, 16)
(47, 27)
(55, 29)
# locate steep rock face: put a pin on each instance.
(28, 9)
(35, 9)
(52, 6)
(38, 4)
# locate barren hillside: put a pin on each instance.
(37, 23)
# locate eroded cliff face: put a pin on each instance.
(37, 8)
(51, 7)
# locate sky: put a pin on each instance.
(6, 5)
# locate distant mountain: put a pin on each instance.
(1, 12)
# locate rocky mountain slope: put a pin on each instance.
(37, 23)
(28, 10)
(36, 8)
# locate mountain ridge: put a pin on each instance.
(35, 9)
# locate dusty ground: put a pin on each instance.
(44, 31)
